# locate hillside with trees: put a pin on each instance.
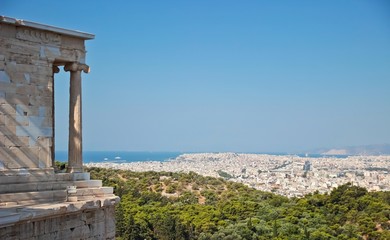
(163, 205)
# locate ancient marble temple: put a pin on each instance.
(36, 202)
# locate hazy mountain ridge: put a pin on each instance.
(374, 149)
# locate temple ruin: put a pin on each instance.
(36, 202)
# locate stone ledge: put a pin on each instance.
(81, 176)
(27, 197)
(27, 172)
(39, 175)
(47, 186)
(12, 215)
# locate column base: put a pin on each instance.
(81, 176)
(74, 170)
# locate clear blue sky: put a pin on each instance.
(260, 76)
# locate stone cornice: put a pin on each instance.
(73, 33)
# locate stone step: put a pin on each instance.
(28, 176)
(25, 178)
(92, 198)
(29, 211)
(7, 217)
(24, 171)
(47, 186)
(42, 196)
(85, 194)
(23, 198)
(97, 192)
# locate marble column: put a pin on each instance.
(53, 150)
(75, 147)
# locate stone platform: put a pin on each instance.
(37, 205)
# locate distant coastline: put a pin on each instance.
(119, 156)
(161, 156)
(145, 156)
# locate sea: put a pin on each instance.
(119, 156)
(127, 157)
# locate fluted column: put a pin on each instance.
(75, 147)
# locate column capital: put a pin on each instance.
(56, 69)
(74, 66)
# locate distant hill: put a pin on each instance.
(375, 149)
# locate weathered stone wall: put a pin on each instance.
(34, 201)
(27, 57)
(89, 224)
